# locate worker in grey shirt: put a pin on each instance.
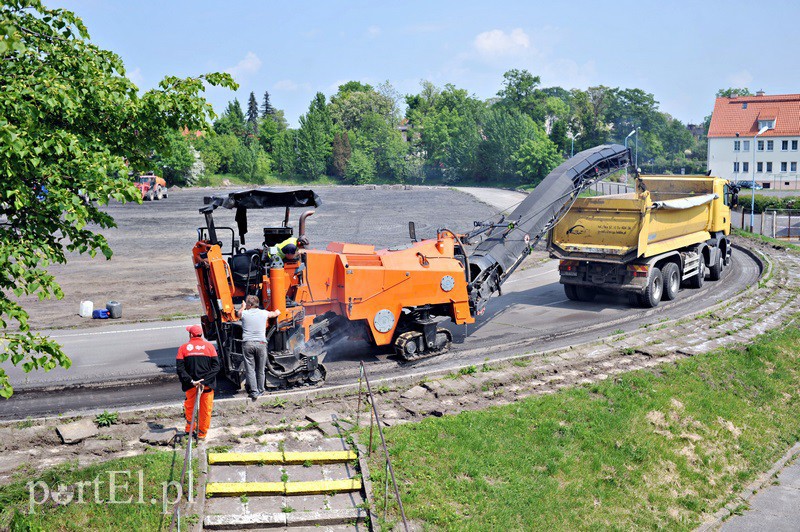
(254, 341)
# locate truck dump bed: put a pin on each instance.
(667, 213)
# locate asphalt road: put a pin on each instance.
(137, 361)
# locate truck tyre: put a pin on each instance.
(571, 291)
(149, 196)
(671, 279)
(159, 193)
(715, 271)
(586, 293)
(655, 289)
(697, 279)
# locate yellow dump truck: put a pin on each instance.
(673, 230)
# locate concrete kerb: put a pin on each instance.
(366, 482)
(345, 390)
(747, 493)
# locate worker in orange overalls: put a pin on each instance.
(198, 365)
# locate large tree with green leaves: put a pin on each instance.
(72, 126)
(314, 139)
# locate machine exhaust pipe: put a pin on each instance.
(301, 229)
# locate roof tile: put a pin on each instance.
(731, 116)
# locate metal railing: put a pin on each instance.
(187, 462)
(373, 420)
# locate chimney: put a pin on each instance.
(760, 93)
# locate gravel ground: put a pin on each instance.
(151, 273)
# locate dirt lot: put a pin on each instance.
(151, 273)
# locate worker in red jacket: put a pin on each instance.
(198, 365)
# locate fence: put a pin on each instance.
(780, 224)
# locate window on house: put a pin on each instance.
(745, 167)
(783, 167)
(735, 168)
(770, 145)
(759, 167)
(769, 167)
(766, 185)
(736, 145)
(794, 145)
(784, 145)
(786, 183)
(793, 167)
(769, 124)
(760, 145)
(746, 145)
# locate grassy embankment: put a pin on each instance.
(157, 468)
(756, 236)
(647, 449)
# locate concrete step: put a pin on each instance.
(314, 487)
(290, 520)
(280, 457)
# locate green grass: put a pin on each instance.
(647, 449)
(215, 180)
(157, 467)
(755, 236)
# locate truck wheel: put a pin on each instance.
(655, 289)
(586, 293)
(160, 193)
(571, 291)
(697, 279)
(715, 271)
(149, 196)
(671, 280)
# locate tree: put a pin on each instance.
(505, 131)
(266, 106)
(314, 139)
(176, 159)
(535, 158)
(519, 91)
(360, 169)
(69, 119)
(733, 92)
(232, 121)
(341, 153)
(252, 114)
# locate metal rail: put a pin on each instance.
(187, 460)
(375, 419)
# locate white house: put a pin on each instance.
(735, 153)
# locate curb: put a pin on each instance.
(747, 493)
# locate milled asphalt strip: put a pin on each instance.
(123, 331)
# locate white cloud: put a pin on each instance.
(500, 43)
(136, 77)
(373, 31)
(249, 65)
(743, 78)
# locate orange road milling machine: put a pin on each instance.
(392, 296)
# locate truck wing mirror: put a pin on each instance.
(412, 231)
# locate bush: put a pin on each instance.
(763, 203)
(360, 168)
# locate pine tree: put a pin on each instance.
(252, 114)
(266, 107)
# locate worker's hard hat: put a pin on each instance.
(289, 249)
(195, 330)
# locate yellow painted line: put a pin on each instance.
(322, 486)
(315, 457)
(231, 489)
(246, 458)
(319, 457)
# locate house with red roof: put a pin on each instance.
(772, 158)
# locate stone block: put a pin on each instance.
(78, 431)
(100, 447)
(416, 392)
(159, 436)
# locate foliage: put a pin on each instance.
(252, 115)
(314, 139)
(266, 106)
(69, 119)
(106, 419)
(360, 169)
(341, 153)
(733, 92)
(232, 121)
(536, 158)
(176, 159)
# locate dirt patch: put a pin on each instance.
(151, 273)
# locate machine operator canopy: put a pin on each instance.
(261, 198)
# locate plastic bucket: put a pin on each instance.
(86, 309)
(114, 309)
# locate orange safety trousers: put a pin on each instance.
(206, 406)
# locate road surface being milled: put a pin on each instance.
(532, 314)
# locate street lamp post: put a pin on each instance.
(753, 184)
(626, 147)
(636, 152)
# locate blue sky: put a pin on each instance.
(682, 52)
